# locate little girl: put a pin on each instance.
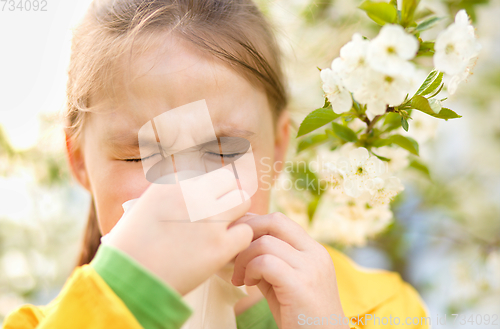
(133, 60)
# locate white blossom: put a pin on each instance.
(455, 49)
(391, 51)
(358, 169)
(379, 90)
(352, 64)
(347, 220)
(325, 164)
(383, 189)
(398, 157)
(460, 77)
(327, 159)
(334, 178)
(377, 72)
(357, 124)
(335, 91)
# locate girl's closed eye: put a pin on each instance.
(210, 154)
(227, 155)
(150, 157)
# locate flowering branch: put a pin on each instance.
(371, 81)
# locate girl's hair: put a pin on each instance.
(234, 31)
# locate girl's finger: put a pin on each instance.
(244, 218)
(237, 239)
(281, 227)
(272, 269)
(233, 202)
(266, 244)
(217, 183)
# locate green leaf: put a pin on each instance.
(424, 13)
(381, 157)
(428, 23)
(330, 133)
(311, 208)
(344, 132)
(422, 104)
(311, 141)
(408, 11)
(316, 119)
(380, 12)
(426, 48)
(430, 77)
(404, 124)
(327, 103)
(316, 11)
(381, 142)
(446, 114)
(437, 92)
(405, 142)
(356, 106)
(304, 178)
(431, 83)
(420, 167)
(392, 121)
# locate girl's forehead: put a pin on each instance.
(172, 75)
(121, 128)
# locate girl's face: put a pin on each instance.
(172, 75)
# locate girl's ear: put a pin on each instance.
(76, 161)
(282, 138)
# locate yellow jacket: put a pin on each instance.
(86, 301)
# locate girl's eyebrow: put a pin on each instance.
(233, 132)
(130, 140)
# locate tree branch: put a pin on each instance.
(370, 124)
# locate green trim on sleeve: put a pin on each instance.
(154, 304)
(258, 316)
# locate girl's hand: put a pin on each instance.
(294, 272)
(156, 231)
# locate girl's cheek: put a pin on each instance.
(122, 182)
(264, 166)
(132, 183)
(260, 202)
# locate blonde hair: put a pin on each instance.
(234, 31)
